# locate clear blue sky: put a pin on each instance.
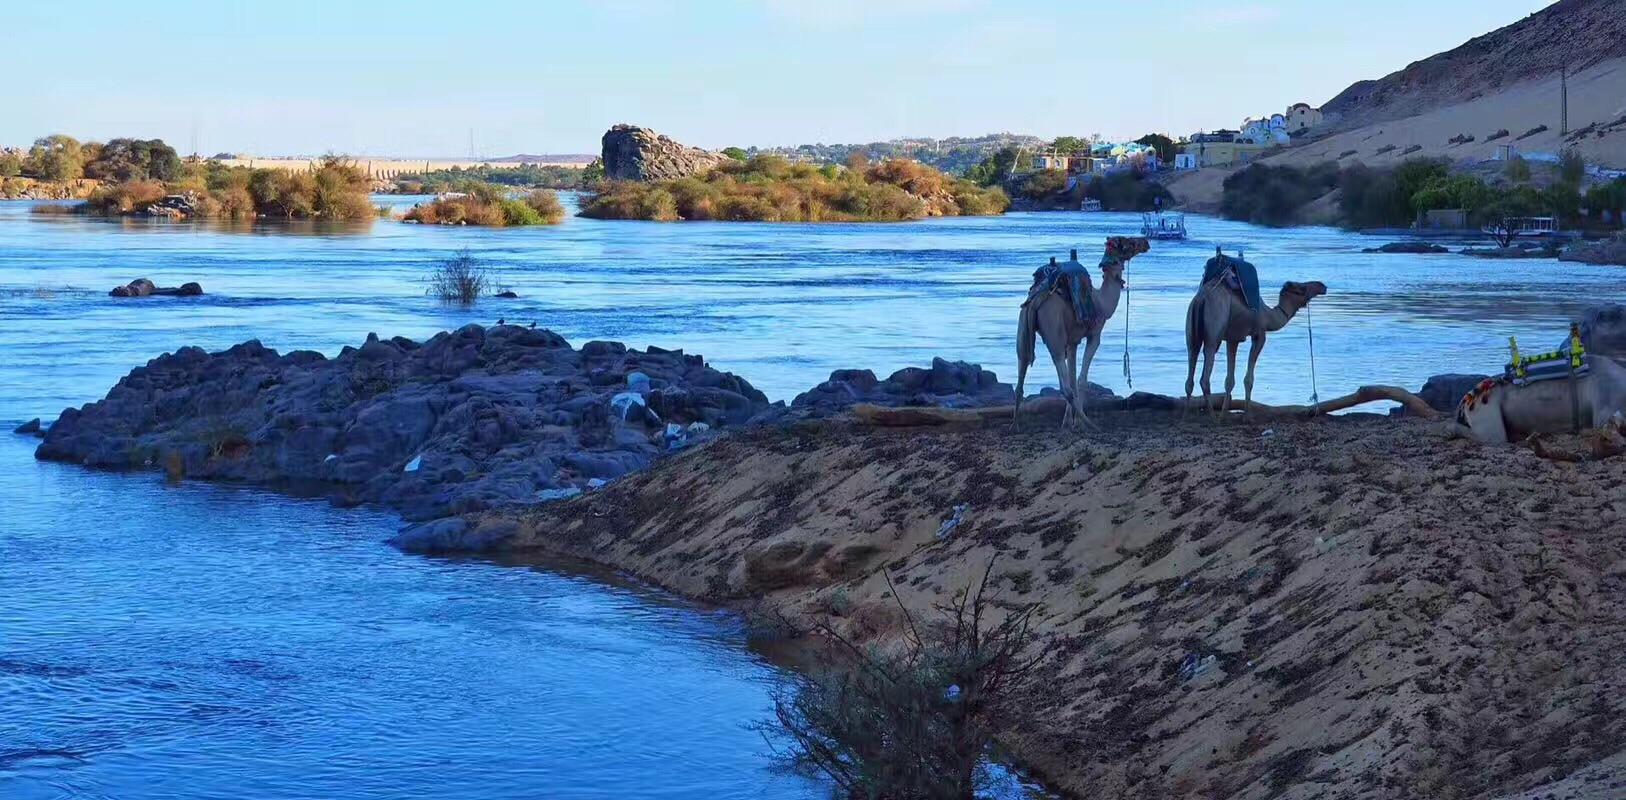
(412, 78)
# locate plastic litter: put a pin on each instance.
(331, 457)
(1193, 665)
(558, 494)
(675, 436)
(638, 382)
(953, 692)
(629, 406)
(953, 521)
(414, 464)
(698, 427)
(594, 483)
(1267, 433)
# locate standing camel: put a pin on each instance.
(1048, 313)
(1219, 314)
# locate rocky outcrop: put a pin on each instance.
(141, 287)
(947, 384)
(1610, 252)
(632, 153)
(1407, 247)
(470, 419)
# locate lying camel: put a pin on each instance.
(1050, 316)
(1497, 412)
(1219, 314)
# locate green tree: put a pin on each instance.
(736, 153)
(11, 164)
(1572, 167)
(593, 173)
(993, 169)
(1162, 144)
(1518, 170)
(1070, 144)
(133, 160)
(55, 158)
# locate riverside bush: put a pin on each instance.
(769, 188)
(486, 204)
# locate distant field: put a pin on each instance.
(385, 167)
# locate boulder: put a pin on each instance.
(141, 287)
(31, 426)
(632, 153)
(1407, 247)
(1443, 392)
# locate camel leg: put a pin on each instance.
(1059, 357)
(1230, 375)
(1091, 342)
(1021, 375)
(1210, 348)
(1191, 373)
(1254, 347)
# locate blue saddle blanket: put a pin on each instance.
(1247, 278)
(1072, 279)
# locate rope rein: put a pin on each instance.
(1127, 377)
(1315, 393)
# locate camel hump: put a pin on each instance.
(1239, 275)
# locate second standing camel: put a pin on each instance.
(1219, 314)
(1049, 315)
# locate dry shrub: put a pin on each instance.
(459, 279)
(126, 197)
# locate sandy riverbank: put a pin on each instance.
(1389, 613)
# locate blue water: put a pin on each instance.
(202, 641)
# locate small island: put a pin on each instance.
(146, 177)
(476, 203)
(651, 177)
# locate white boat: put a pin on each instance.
(1090, 204)
(1525, 227)
(1158, 225)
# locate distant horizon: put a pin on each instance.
(764, 73)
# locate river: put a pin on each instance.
(191, 640)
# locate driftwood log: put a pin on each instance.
(911, 416)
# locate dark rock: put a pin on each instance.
(632, 153)
(947, 384)
(507, 295)
(471, 419)
(141, 287)
(1407, 247)
(31, 426)
(1611, 251)
(1522, 250)
(1443, 392)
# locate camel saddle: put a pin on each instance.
(1069, 277)
(1238, 275)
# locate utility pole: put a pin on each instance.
(1564, 100)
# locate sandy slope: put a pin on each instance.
(1597, 98)
(1391, 614)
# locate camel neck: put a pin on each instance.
(1278, 317)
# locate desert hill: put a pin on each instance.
(1578, 34)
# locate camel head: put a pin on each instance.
(1126, 247)
(1119, 250)
(1297, 295)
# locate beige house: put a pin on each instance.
(1224, 149)
(1301, 116)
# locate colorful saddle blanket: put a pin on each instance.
(1072, 280)
(1239, 275)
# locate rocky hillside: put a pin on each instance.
(1576, 33)
(1349, 607)
(632, 153)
